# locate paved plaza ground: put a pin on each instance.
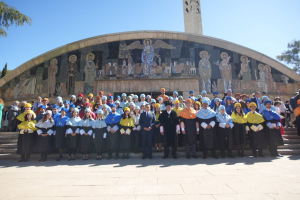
(240, 178)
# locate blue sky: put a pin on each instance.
(263, 25)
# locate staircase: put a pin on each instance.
(8, 146)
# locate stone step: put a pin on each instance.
(8, 145)
(291, 137)
(290, 133)
(291, 141)
(6, 141)
(9, 133)
(181, 154)
(290, 129)
(5, 137)
(289, 146)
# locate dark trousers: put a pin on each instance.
(213, 152)
(117, 146)
(44, 156)
(180, 139)
(72, 151)
(136, 139)
(283, 120)
(25, 156)
(147, 141)
(273, 150)
(188, 151)
(260, 152)
(12, 125)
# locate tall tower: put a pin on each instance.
(192, 16)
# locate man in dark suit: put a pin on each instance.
(12, 116)
(147, 122)
(257, 100)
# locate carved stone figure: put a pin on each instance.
(226, 72)
(71, 74)
(52, 70)
(205, 70)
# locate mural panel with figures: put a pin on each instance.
(216, 69)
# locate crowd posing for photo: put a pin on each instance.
(129, 123)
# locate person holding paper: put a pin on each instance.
(169, 128)
(272, 129)
(86, 131)
(189, 128)
(206, 118)
(255, 128)
(100, 132)
(239, 129)
(113, 135)
(225, 133)
(60, 132)
(136, 131)
(126, 123)
(26, 139)
(72, 133)
(147, 123)
(45, 130)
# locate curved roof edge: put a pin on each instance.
(149, 34)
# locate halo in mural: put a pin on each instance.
(90, 54)
(224, 53)
(54, 61)
(201, 54)
(245, 58)
(145, 42)
(267, 68)
(72, 56)
(261, 67)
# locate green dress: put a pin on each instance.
(1, 110)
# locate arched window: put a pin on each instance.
(186, 3)
(186, 10)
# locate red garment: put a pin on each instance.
(281, 128)
(81, 115)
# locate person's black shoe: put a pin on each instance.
(175, 157)
(150, 157)
(116, 157)
(188, 156)
(127, 156)
(144, 157)
(204, 156)
(194, 156)
(231, 156)
(109, 157)
(215, 156)
(222, 156)
(58, 158)
(242, 154)
(123, 157)
(261, 155)
(40, 160)
(165, 157)
(21, 160)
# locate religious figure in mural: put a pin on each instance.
(148, 52)
(71, 74)
(269, 79)
(205, 70)
(90, 72)
(226, 72)
(31, 86)
(52, 70)
(261, 82)
(245, 73)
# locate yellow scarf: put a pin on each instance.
(236, 118)
(28, 125)
(254, 118)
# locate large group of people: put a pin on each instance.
(129, 123)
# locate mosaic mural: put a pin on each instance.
(216, 69)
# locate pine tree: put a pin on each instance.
(10, 16)
(292, 55)
(4, 71)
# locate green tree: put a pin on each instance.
(4, 71)
(10, 16)
(291, 56)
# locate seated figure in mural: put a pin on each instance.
(205, 70)
(245, 73)
(52, 70)
(71, 73)
(225, 68)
